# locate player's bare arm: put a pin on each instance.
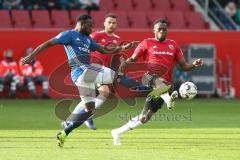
(188, 67)
(110, 50)
(39, 49)
(126, 61)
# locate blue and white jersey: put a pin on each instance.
(77, 47)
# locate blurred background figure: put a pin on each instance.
(12, 4)
(33, 4)
(70, 4)
(9, 74)
(52, 4)
(33, 74)
(233, 11)
(1, 4)
(89, 4)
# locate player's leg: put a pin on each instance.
(44, 82)
(2, 82)
(162, 89)
(30, 85)
(153, 102)
(106, 76)
(76, 120)
(132, 83)
(87, 93)
(14, 81)
(101, 98)
(150, 107)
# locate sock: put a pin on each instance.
(75, 120)
(133, 123)
(1, 88)
(98, 103)
(45, 87)
(166, 97)
(31, 88)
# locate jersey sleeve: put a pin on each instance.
(94, 45)
(179, 53)
(141, 49)
(95, 36)
(63, 38)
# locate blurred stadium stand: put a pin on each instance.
(41, 19)
(5, 19)
(138, 14)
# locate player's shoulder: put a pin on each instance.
(116, 36)
(148, 40)
(171, 41)
(101, 32)
(65, 33)
(97, 34)
(68, 31)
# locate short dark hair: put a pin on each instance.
(83, 17)
(161, 20)
(112, 15)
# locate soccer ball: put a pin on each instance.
(188, 90)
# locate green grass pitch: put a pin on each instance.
(201, 129)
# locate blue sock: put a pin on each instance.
(132, 83)
(77, 119)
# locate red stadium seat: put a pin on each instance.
(182, 5)
(176, 20)
(124, 5)
(143, 5)
(41, 19)
(5, 19)
(122, 19)
(98, 18)
(76, 13)
(138, 19)
(152, 16)
(21, 19)
(195, 20)
(60, 19)
(162, 5)
(106, 5)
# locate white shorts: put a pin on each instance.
(88, 80)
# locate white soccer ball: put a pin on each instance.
(188, 90)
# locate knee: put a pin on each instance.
(145, 118)
(90, 106)
(27, 79)
(43, 78)
(104, 90)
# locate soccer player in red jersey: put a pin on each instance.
(161, 56)
(106, 37)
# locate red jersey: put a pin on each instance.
(33, 69)
(8, 68)
(104, 39)
(160, 56)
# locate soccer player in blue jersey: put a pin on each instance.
(78, 44)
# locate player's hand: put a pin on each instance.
(26, 60)
(130, 45)
(122, 65)
(198, 62)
